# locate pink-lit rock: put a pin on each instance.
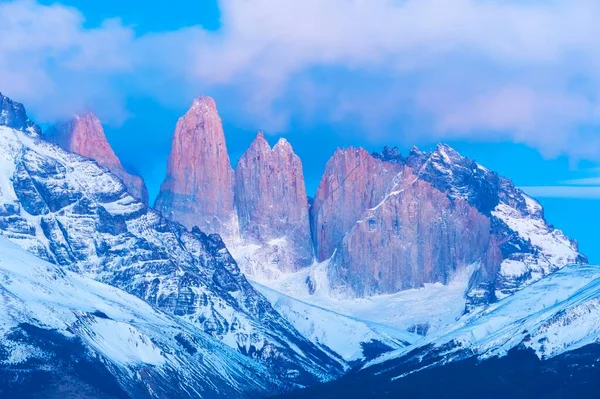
(415, 235)
(198, 188)
(84, 135)
(353, 182)
(270, 197)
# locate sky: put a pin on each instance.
(512, 84)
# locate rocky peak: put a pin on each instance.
(486, 220)
(353, 181)
(12, 114)
(458, 176)
(198, 188)
(284, 146)
(389, 154)
(272, 205)
(414, 150)
(204, 104)
(259, 144)
(84, 135)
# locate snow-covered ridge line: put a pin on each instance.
(68, 210)
(556, 314)
(126, 333)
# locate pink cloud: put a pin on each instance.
(478, 70)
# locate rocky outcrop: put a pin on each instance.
(13, 115)
(198, 188)
(84, 135)
(353, 182)
(272, 207)
(415, 235)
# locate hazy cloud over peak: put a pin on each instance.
(522, 71)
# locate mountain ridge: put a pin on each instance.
(69, 211)
(384, 229)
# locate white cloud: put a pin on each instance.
(525, 71)
(592, 192)
(586, 181)
(55, 65)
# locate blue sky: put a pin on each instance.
(512, 84)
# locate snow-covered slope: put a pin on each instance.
(540, 342)
(353, 339)
(420, 311)
(60, 331)
(69, 211)
(557, 314)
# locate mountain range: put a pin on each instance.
(236, 283)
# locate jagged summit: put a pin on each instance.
(198, 187)
(389, 154)
(445, 152)
(393, 207)
(283, 145)
(84, 135)
(204, 103)
(260, 143)
(12, 114)
(272, 208)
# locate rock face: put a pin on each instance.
(85, 136)
(441, 213)
(415, 235)
(272, 206)
(198, 188)
(69, 211)
(353, 182)
(12, 114)
(387, 222)
(523, 248)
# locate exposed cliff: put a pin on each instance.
(353, 181)
(198, 188)
(272, 207)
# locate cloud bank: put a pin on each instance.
(578, 192)
(494, 70)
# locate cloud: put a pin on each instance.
(586, 181)
(526, 72)
(577, 192)
(54, 64)
(496, 70)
